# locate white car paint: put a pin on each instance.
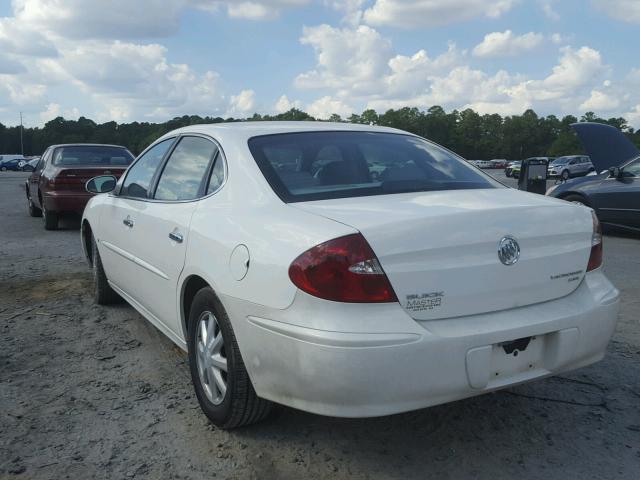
(330, 357)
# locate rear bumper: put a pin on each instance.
(370, 360)
(66, 202)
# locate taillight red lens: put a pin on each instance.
(595, 259)
(344, 269)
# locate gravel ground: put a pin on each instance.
(97, 392)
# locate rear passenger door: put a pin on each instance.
(161, 229)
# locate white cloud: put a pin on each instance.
(429, 13)
(623, 10)
(346, 58)
(128, 19)
(507, 44)
(241, 104)
(284, 104)
(599, 102)
(324, 107)
(549, 10)
(357, 66)
(259, 10)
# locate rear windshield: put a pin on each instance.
(92, 156)
(324, 165)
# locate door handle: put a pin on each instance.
(176, 237)
(128, 222)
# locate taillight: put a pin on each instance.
(595, 259)
(344, 269)
(62, 182)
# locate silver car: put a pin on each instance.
(570, 166)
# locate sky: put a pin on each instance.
(152, 60)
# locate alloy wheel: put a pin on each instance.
(211, 358)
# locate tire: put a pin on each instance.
(577, 199)
(238, 405)
(565, 175)
(103, 294)
(33, 210)
(50, 219)
(3, 169)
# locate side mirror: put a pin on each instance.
(614, 172)
(101, 184)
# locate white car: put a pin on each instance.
(291, 274)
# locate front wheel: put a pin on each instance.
(3, 169)
(565, 175)
(103, 294)
(220, 379)
(577, 199)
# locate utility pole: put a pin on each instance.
(21, 142)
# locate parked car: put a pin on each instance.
(499, 163)
(508, 171)
(291, 275)
(614, 194)
(570, 166)
(30, 165)
(11, 164)
(57, 185)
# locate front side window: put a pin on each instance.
(184, 175)
(324, 165)
(140, 175)
(92, 155)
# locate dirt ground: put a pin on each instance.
(97, 392)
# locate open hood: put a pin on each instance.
(606, 145)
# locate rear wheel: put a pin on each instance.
(103, 294)
(565, 175)
(220, 379)
(3, 169)
(50, 219)
(33, 210)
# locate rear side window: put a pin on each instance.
(184, 176)
(139, 176)
(323, 165)
(90, 155)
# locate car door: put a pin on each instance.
(166, 222)
(159, 228)
(117, 229)
(34, 178)
(618, 199)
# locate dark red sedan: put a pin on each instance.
(56, 186)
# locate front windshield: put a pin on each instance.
(324, 165)
(561, 160)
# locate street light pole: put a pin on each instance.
(21, 142)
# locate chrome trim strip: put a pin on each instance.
(136, 260)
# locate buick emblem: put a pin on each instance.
(508, 250)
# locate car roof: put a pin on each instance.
(239, 131)
(85, 145)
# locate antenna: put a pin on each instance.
(21, 142)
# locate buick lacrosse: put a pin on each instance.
(345, 270)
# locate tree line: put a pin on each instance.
(466, 132)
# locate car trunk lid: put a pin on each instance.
(75, 178)
(440, 249)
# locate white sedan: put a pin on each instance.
(345, 270)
